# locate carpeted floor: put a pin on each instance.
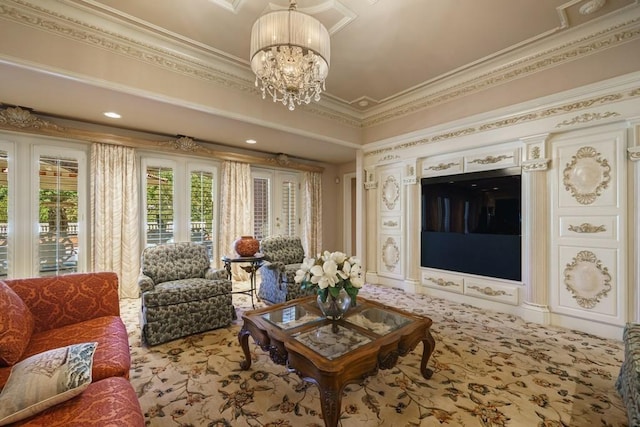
(490, 369)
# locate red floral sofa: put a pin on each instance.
(40, 314)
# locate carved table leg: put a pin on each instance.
(331, 402)
(243, 339)
(429, 345)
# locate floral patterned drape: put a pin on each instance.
(115, 225)
(312, 213)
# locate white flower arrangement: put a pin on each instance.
(330, 272)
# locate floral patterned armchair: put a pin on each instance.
(283, 255)
(181, 294)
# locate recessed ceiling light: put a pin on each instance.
(112, 115)
(251, 141)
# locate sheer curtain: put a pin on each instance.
(312, 213)
(235, 208)
(115, 224)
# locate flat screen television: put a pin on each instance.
(471, 223)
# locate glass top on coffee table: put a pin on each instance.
(291, 317)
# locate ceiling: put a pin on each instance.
(382, 51)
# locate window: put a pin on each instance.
(276, 202)
(202, 223)
(159, 209)
(181, 201)
(289, 211)
(58, 215)
(261, 207)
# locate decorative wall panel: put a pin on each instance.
(443, 281)
(493, 160)
(591, 227)
(588, 279)
(390, 259)
(588, 174)
(442, 166)
(589, 257)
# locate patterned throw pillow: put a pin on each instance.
(46, 379)
(16, 326)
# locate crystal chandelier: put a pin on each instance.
(290, 56)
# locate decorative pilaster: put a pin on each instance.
(412, 224)
(371, 238)
(633, 154)
(535, 220)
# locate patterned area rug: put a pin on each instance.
(490, 369)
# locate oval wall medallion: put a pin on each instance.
(390, 192)
(587, 175)
(390, 254)
(587, 279)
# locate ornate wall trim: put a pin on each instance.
(538, 114)
(589, 265)
(17, 119)
(586, 166)
(633, 153)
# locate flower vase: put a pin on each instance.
(334, 308)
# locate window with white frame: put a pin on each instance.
(276, 203)
(159, 205)
(202, 208)
(58, 215)
(180, 201)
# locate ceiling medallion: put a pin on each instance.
(290, 56)
(587, 279)
(587, 175)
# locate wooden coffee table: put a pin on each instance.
(332, 354)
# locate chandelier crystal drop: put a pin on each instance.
(290, 56)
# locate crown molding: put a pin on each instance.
(532, 59)
(586, 105)
(152, 45)
(21, 120)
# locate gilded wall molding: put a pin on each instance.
(587, 117)
(390, 192)
(489, 291)
(536, 165)
(390, 254)
(489, 160)
(541, 113)
(595, 283)
(587, 228)
(21, 119)
(587, 175)
(441, 282)
(442, 166)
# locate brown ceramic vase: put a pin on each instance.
(246, 246)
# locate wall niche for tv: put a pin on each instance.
(471, 223)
